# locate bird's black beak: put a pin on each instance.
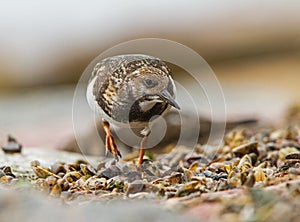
(166, 96)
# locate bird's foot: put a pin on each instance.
(110, 144)
(112, 147)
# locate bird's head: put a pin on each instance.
(153, 85)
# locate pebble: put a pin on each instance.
(135, 187)
(51, 180)
(295, 155)
(56, 191)
(94, 183)
(58, 168)
(72, 176)
(284, 152)
(215, 176)
(271, 146)
(294, 170)
(288, 164)
(110, 172)
(12, 146)
(246, 149)
(7, 170)
(6, 179)
(40, 171)
(197, 158)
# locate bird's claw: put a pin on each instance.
(112, 147)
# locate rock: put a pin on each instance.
(110, 172)
(199, 158)
(246, 149)
(295, 155)
(12, 146)
(135, 187)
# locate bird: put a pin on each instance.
(130, 91)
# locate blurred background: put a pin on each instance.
(253, 48)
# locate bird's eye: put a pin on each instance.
(150, 83)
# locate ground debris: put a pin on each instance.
(246, 165)
(245, 160)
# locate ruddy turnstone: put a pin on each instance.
(130, 90)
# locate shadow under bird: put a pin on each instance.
(130, 91)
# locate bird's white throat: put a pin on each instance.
(147, 105)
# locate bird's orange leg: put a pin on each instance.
(142, 153)
(145, 132)
(110, 144)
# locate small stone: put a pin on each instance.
(101, 166)
(295, 171)
(283, 153)
(6, 179)
(94, 183)
(259, 175)
(215, 176)
(115, 182)
(152, 188)
(56, 191)
(295, 155)
(175, 179)
(245, 163)
(288, 143)
(110, 172)
(246, 149)
(135, 187)
(234, 179)
(8, 172)
(51, 181)
(72, 176)
(58, 168)
(188, 188)
(73, 167)
(253, 157)
(249, 179)
(197, 158)
(87, 170)
(12, 146)
(278, 134)
(132, 176)
(271, 146)
(40, 171)
(288, 164)
(35, 163)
